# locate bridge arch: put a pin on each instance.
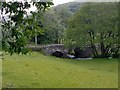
(58, 54)
(50, 49)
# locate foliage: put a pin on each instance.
(52, 27)
(95, 26)
(55, 22)
(18, 28)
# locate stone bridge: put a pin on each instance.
(50, 49)
(59, 50)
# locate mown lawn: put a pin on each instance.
(39, 71)
(0, 73)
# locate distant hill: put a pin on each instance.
(64, 11)
(55, 21)
(0, 30)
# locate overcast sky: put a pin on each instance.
(56, 2)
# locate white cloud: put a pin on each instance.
(57, 2)
(97, 0)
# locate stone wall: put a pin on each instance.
(52, 48)
(49, 49)
(86, 53)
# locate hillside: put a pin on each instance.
(0, 29)
(64, 11)
(55, 22)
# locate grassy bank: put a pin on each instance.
(39, 71)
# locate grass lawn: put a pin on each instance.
(39, 71)
(0, 73)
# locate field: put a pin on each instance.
(0, 73)
(39, 71)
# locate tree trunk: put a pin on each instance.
(35, 39)
(94, 50)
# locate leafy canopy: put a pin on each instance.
(95, 25)
(17, 27)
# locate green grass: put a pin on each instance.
(39, 71)
(0, 72)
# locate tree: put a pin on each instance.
(55, 22)
(18, 28)
(95, 26)
(53, 29)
